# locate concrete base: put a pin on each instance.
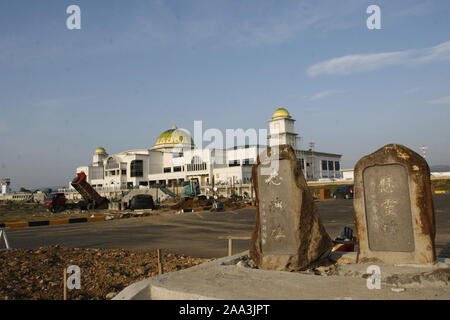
(223, 279)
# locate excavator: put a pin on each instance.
(191, 188)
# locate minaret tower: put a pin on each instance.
(281, 129)
(99, 156)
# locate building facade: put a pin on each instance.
(5, 186)
(174, 159)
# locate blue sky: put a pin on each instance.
(138, 67)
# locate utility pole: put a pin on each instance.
(311, 148)
(302, 156)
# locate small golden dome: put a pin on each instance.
(100, 150)
(281, 113)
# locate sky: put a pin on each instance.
(135, 68)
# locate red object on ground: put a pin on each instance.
(56, 199)
(343, 247)
(86, 190)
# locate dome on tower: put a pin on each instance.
(172, 138)
(281, 113)
(100, 150)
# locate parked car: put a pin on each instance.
(344, 192)
(142, 201)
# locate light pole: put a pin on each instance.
(311, 148)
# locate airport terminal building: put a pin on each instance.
(174, 159)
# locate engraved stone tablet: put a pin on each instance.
(393, 207)
(288, 233)
(388, 208)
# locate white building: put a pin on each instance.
(5, 186)
(174, 159)
(348, 174)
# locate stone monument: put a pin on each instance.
(288, 234)
(393, 205)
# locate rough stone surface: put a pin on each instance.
(393, 206)
(224, 279)
(288, 234)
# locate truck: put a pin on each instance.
(56, 202)
(95, 201)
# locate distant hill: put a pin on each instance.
(440, 168)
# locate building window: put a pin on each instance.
(167, 169)
(247, 162)
(177, 169)
(113, 173)
(124, 172)
(233, 163)
(337, 166)
(324, 165)
(137, 168)
(111, 163)
(331, 165)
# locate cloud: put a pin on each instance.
(324, 94)
(443, 100)
(441, 52)
(244, 24)
(355, 63)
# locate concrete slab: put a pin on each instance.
(223, 279)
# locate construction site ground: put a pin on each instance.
(38, 273)
(24, 212)
(194, 233)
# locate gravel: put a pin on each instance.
(38, 274)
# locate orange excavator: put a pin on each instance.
(95, 201)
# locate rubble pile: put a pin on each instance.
(38, 273)
(189, 203)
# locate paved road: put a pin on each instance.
(193, 234)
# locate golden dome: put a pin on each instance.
(281, 112)
(172, 138)
(100, 150)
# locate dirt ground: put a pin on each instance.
(22, 212)
(206, 204)
(38, 274)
